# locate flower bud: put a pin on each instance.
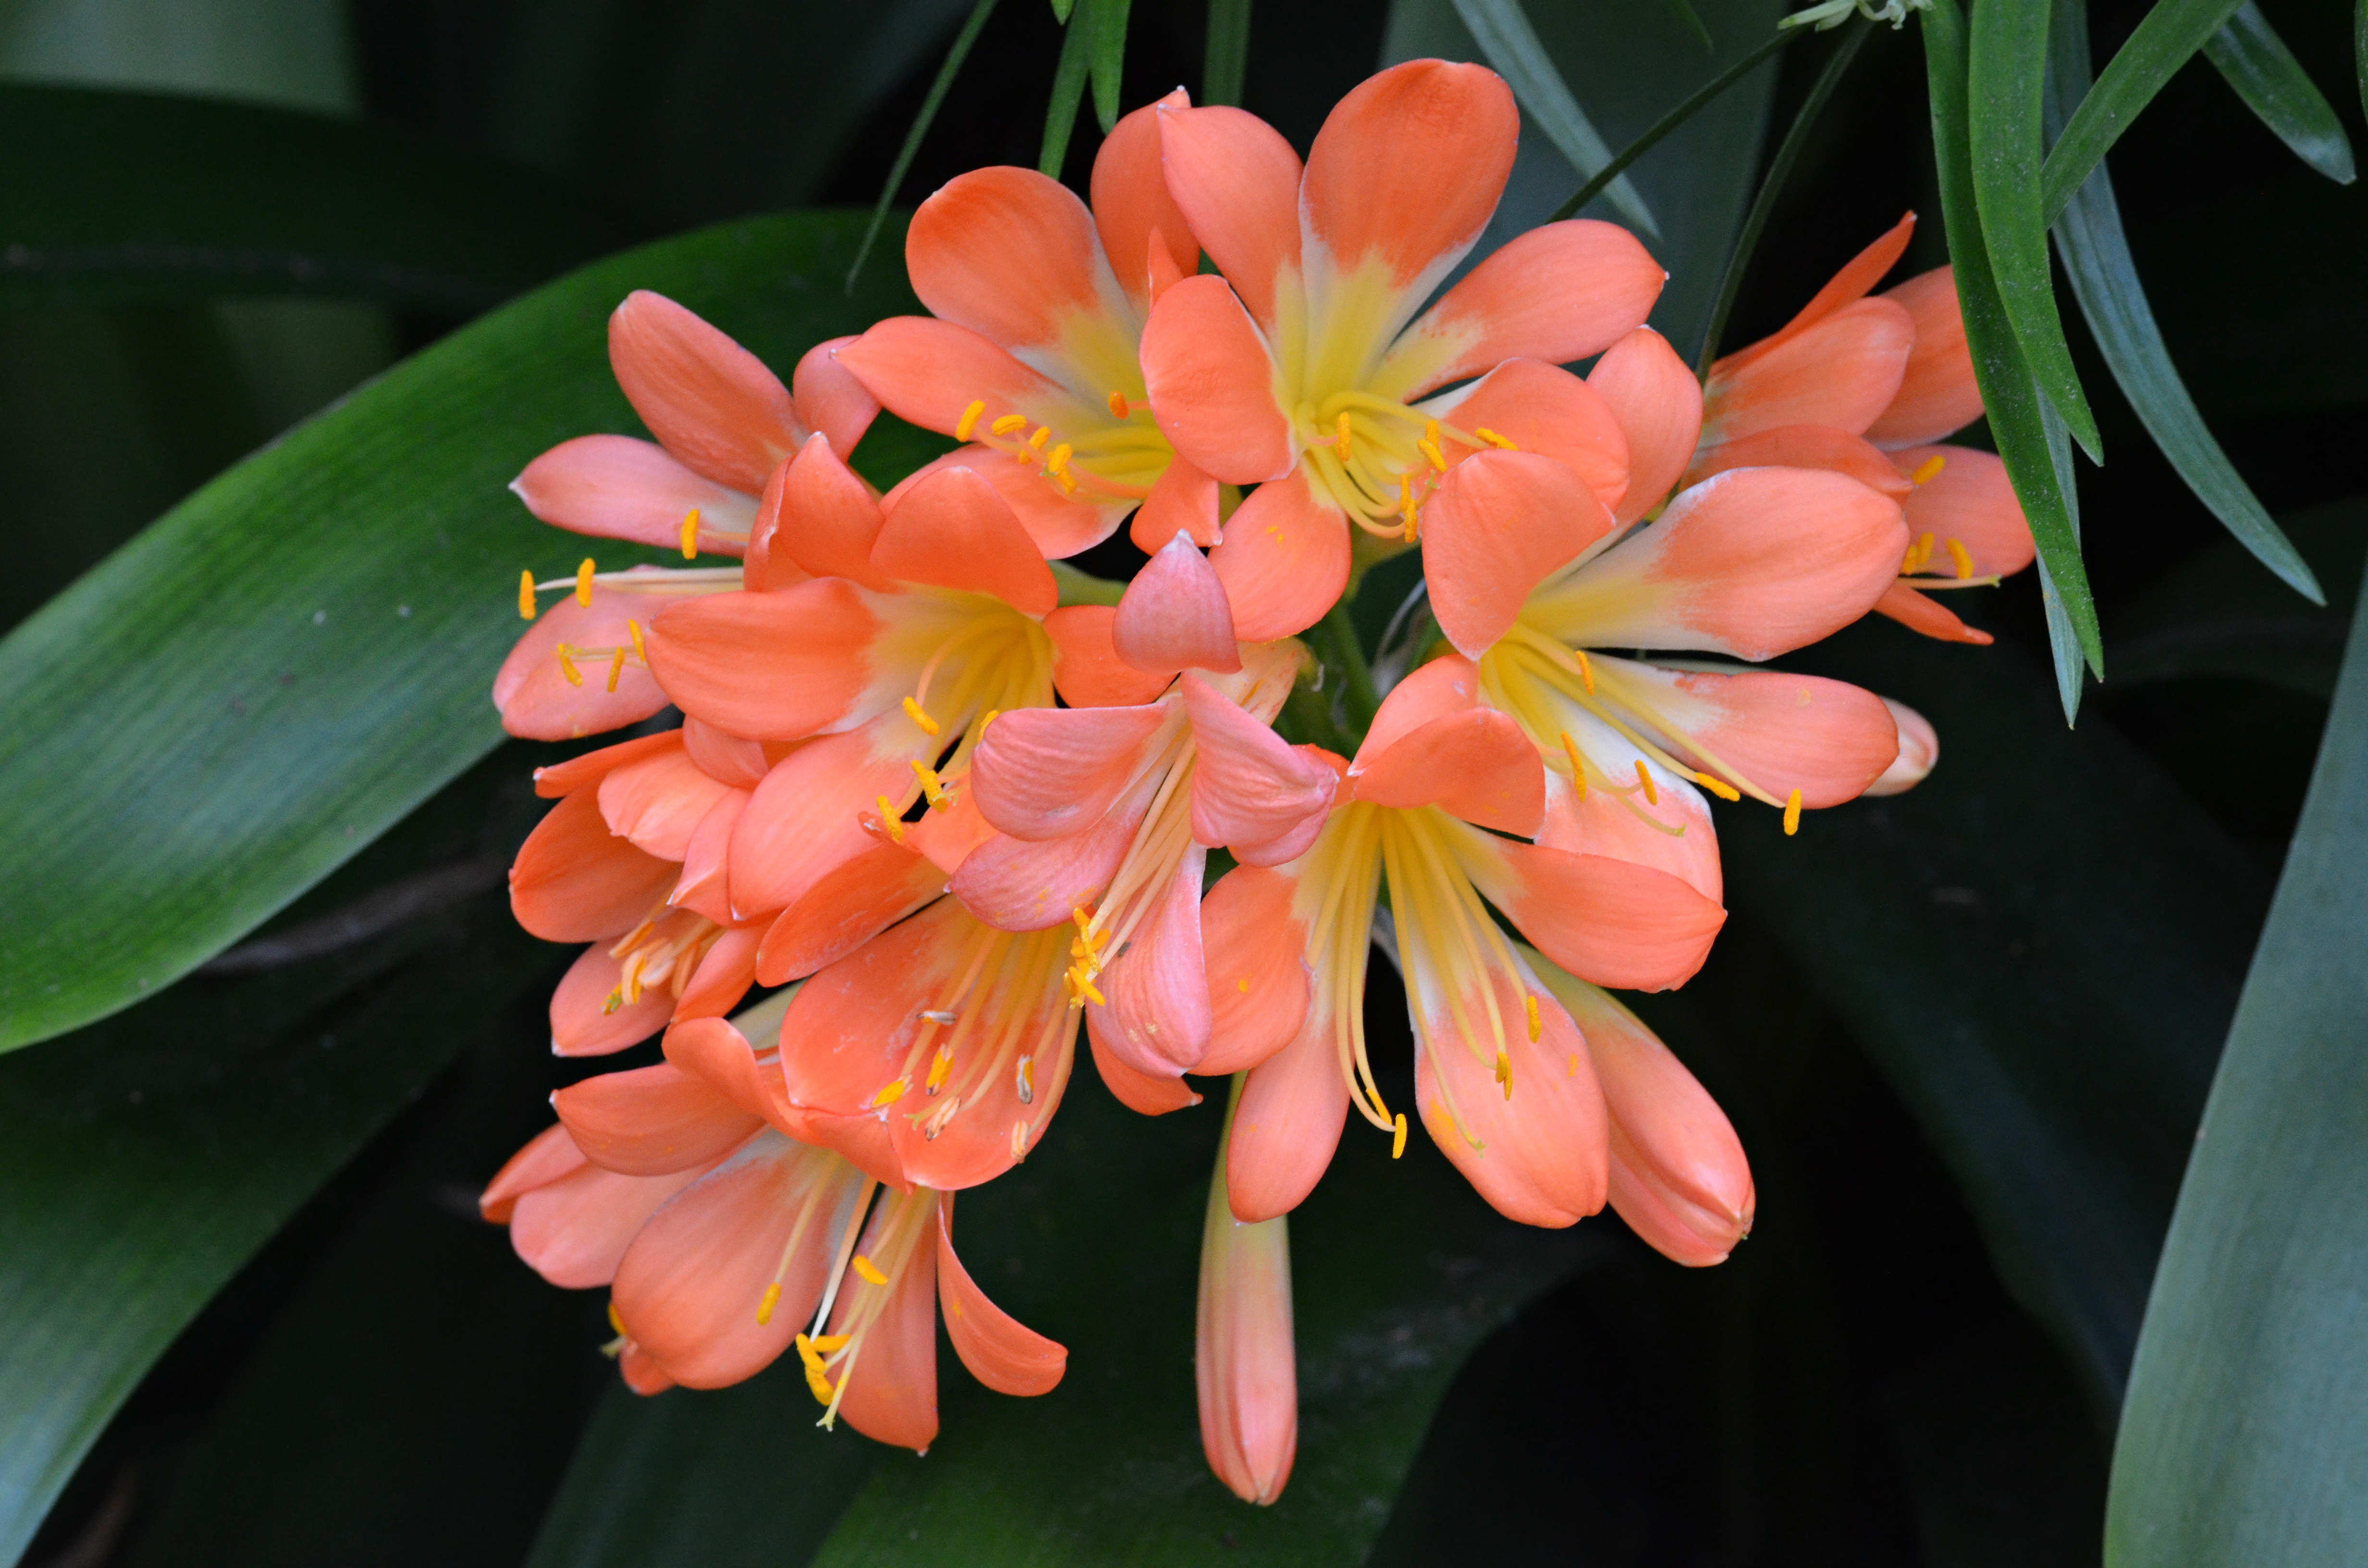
(1242, 1358)
(1919, 748)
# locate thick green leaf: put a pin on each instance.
(298, 53)
(2247, 1412)
(2036, 946)
(2063, 637)
(297, 656)
(1110, 57)
(117, 196)
(1069, 90)
(1694, 104)
(2172, 30)
(1503, 32)
(2105, 280)
(2014, 403)
(1227, 52)
(2006, 69)
(2249, 54)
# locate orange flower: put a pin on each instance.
(1243, 1361)
(1304, 370)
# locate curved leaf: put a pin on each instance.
(2249, 54)
(298, 654)
(1511, 45)
(2247, 1408)
(2171, 32)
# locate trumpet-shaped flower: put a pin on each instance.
(1030, 357)
(1304, 370)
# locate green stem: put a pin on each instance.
(1787, 155)
(1347, 656)
(954, 58)
(1667, 123)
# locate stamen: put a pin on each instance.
(1397, 1137)
(1341, 446)
(615, 1000)
(1429, 449)
(1918, 554)
(991, 715)
(890, 1093)
(890, 821)
(526, 595)
(1009, 423)
(1578, 767)
(816, 1383)
(1406, 505)
(633, 629)
(616, 666)
(913, 711)
(943, 1064)
(1505, 1068)
(567, 667)
(1962, 557)
(614, 1321)
(1928, 470)
(869, 1270)
(690, 534)
(1585, 670)
(583, 583)
(1718, 787)
(1037, 437)
(1644, 778)
(1057, 465)
(765, 1305)
(969, 420)
(1494, 440)
(1024, 1082)
(1792, 813)
(931, 785)
(1118, 405)
(1537, 1025)
(1018, 1141)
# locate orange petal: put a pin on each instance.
(1477, 766)
(547, 1156)
(1921, 613)
(948, 833)
(890, 1391)
(1972, 501)
(1060, 524)
(1243, 1360)
(582, 1021)
(650, 1120)
(1211, 380)
(1284, 559)
(808, 817)
(1139, 1091)
(1450, 684)
(928, 371)
(1560, 292)
(861, 897)
(576, 881)
(830, 519)
(705, 887)
(574, 1231)
(1132, 203)
(1292, 1108)
(1086, 670)
(591, 767)
(1919, 750)
(1853, 282)
(1157, 1020)
(1604, 920)
(657, 802)
(1009, 254)
(1408, 169)
(722, 977)
(618, 487)
(1803, 445)
(1601, 824)
(847, 1034)
(1842, 372)
(537, 699)
(1938, 395)
(952, 531)
(828, 399)
(1174, 615)
(1545, 411)
(1252, 945)
(1236, 182)
(775, 665)
(1250, 787)
(1826, 739)
(708, 401)
(1182, 499)
(715, 1052)
(1654, 395)
(731, 759)
(641, 1370)
(1499, 524)
(1043, 773)
(1014, 884)
(1000, 1352)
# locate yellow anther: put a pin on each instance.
(870, 1270)
(1644, 778)
(931, 785)
(1397, 1136)
(1430, 431)
(890, 1093)
(1578, 766)
(1504, 1072)
(826, 1342)
(1118, 405)
(765, 1303)
(1037, 437)
(567, 667)
(1918, 554)
(969, 420)
(1341, 446)
(914, 712)
(810, 1353)
(583, 583)
(1585, 670)
(641, 651)
(938, 1069)
(614, 1321)
(1080, 919)
(1718, 787)
(526, 595)
(1928, 470)
(1537, 1025)
(1494, 440)
(690, 534)
(1084, 986)
(1057, 465)
(616, 666)
(991, 714)
(890, 821)
(1009, 423)
(1429, 449)
(1962, 557)
(1791, 813)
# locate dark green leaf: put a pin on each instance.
(2105, 280)
(2172, 30)
(116, 196)
(938, 86)
(1068, 92)
(1061, 10)
(1227, 52)
(1694, 103)
(2257, 64)
(300, 653)
(1511, 44)
(2012, 401)
(2210, 617)
(2248, 1411)
(1684, 12)
(1108, 17)
(2006, 71)
(2063, 637)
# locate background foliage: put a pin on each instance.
(246, 1312)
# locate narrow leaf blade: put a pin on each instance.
(2255, 62)
(1227, 53)
(1512, 46)
(2172, 30)
(1068, 92)
(1109, 18)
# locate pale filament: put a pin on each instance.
(901, 1234)
(1117, 460)
(1439, 915)
(1393, 456)
(648, 959)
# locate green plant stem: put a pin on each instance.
(1227, 58)
(1787, 153)
(1667, 123)
(937, 89)
(1347, 656)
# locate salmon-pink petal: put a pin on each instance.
(829, 400)
(999, 1350)
(1236, 182)
(953, 531)
(566, 777)
(1086, 670)
(725, 756)
(1937, 394)
(1174, 615)
(1824, 738)
(1922, 613)
(1919, 750)
(890, 1387)
(1043, 773)
(1060, 524)
(589, 1015)
(618, 487)
(1803, 445)
(545, 1158)
(1408, 169)
(1006, 252)
(1853, 282)
(1157, 1018)
(1604, 920)
(1754, 562)
(774, 666)
(1132, 203)
(928, 371)
(947, 833)
(658, 803)
(1497, 525)
(1842, 372)
(1252, 945)
(717, 1053)
(859, 898)
(722, 977)
(1603, 823)
(829, 518)
(1545, 411)
(705, 886)
(574, 1231)
(538, 700)
(1250, 787)
(844, 1039)
(1292, 1108)
(1450, 684)
(1140, 1092)
(1654, 395)
(1477, 765)
(809, 815)
(708, 401)
(1558, 293)
(641, 1370)
(576, 881)
(1243, 1360)
(1284, 559)
(1183, 499)
(649, 1120)
(1969, 500)
(1211, 378)
(1016, 884)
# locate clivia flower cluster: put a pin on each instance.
(959, 804)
